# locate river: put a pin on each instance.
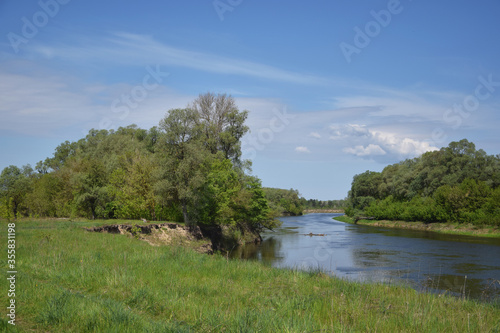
(426, 261)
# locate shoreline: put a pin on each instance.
(108, 282)
(443, 228)
(309, 211)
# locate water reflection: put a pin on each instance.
(427, 261)
(268, 251)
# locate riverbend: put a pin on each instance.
(426, 261)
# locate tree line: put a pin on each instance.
(188, 168)
(284, 202)
(289, 202)
(457, 183)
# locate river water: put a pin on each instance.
(426, 261)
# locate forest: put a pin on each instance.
(290, 203)
(188, 168)
(457, 184)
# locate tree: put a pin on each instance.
(182, 159)
(15, 184)
(132, 189)
(364, 188)
(90, 186)
(191, 142)
(43, 199)
(216, 202)
(221, 124)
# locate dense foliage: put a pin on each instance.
(316, 204)
(456, 183)
(284, 202)
(186, 169)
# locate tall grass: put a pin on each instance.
(73, 280)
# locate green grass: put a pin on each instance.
(70, 280)
(444, 228)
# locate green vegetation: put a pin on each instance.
(464, 229)
(455, 184)
(289, 202)
(284, 202)
(314, 204)
(189, 169)
(71, 280)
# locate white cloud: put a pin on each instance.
(302, 149)
(315, 135)
(370, 150)
(376, 143)
(349, 130)
(402, 146)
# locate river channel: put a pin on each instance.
(426, 261)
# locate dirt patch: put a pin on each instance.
(157, 234)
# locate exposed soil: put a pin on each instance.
(158, 234)
(204, 240)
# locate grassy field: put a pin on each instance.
(71, 280)
(445, 228)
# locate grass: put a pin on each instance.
(72, 280)
(444, 228)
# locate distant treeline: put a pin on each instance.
(323, 204)
(189, 169)
(289, 202)
(454, 184)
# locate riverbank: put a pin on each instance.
(308, 211)
(70, 279)
(444, 228)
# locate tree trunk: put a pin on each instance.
(92, 209)
(14, 209)
(185, 213)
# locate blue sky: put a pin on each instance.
(334, 88)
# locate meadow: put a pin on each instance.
(72, 280)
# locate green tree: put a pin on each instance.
(15, 184)
(43, 199)
(132, 189)
(89, 186)
(183, 160)
(365, 189)
(191, 140)
(216, 202)
(221, 124)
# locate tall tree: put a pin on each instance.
(182, 156)
(221, 124)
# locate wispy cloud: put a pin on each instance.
(315, 135)
(133, 49)
(34, 105)
(302, 149)
(48, 104)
